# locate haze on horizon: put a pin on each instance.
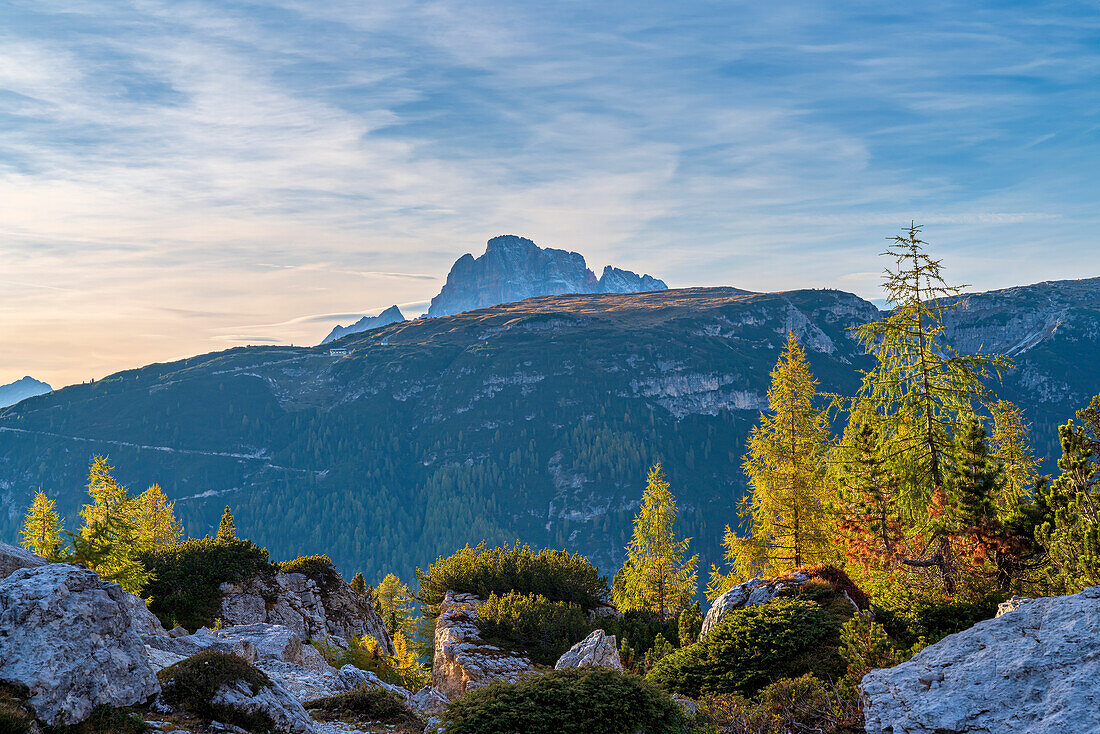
(182, 178)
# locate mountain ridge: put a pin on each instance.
(534, 419)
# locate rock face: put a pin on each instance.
(514, 268)
(13, 558)
(67, 637)
(462, 659)
(599, 649)
(749, 594)
(27, 387)
(314, 611)
(391, 315)
(1033, 669)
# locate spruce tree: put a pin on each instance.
(656, 577)
(918, 390)
(42, 528)
(227, 530)
(787, 505)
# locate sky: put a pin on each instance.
(183, 177)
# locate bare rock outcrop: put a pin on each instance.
(1032, 669)
(599, 649)
(287, 712)
(68, 638)
(314, 610)
(463, 660)
(13, 558)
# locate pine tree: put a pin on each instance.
(787, 505)
(227, 530)
(690, 624)
(919, 388)
(656, 577)
(42, 528)
(156, 522)
(1071, 534)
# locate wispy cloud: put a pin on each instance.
(188, 168)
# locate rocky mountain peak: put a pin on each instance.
(21, 389)
(514, 268)
(391, 315)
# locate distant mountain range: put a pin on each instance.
(532, 420)
(391, 315)
(512, 269)
(27, 387)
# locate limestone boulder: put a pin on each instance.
(287, 712)
(1035, 668)
(13, 558)
(463, 660)
(313, 610)
(428, 702)
(68, 638)
(598, 649)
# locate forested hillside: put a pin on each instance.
(535, 420)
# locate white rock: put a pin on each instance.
(753, 592)
(67, 636)
(1033, 669)
(287, 713)
(598, 649)
(13, 558)
(462, 659)
(428, 702)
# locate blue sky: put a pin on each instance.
(181, 177)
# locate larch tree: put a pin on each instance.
(918, 390)
(1009, 445)
(787, 505)
(397, 605)
(156, 520)
(109, 542)
(42, 528)
(227, 529)
(657, 576)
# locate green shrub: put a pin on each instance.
(190, 684)
(319, 568)
(788, 706)
(919, 620)
(640, 627)
(588, 700)
(755, 646)
(106, 720)
(365, 703)
(542, 628)
(184, 588)
(554, 574)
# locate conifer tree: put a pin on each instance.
(227, 530)
(787, 506)
(156, 522)
(1071, 533)
(397, 605)
(109, 542)
(1009, 445)
(656, 577)
(918, 389)
(42, 528)
(359, 584)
